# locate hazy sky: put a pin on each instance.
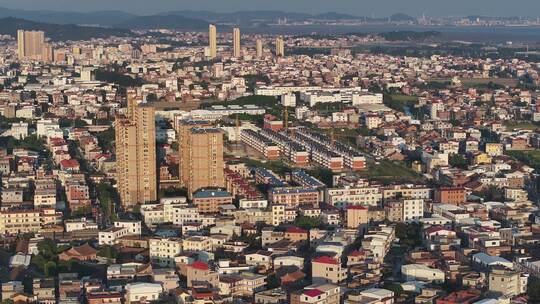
(356, 7)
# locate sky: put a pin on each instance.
(377, 8)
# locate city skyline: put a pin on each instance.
(381, 8)
(317, 157)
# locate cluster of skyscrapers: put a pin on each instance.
(237, 45)
(200, 152)
(32, 45)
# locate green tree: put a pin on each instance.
(106, 139)
(324, 175)
(39, 261)
(49, 269)
(409, 234)
(82, 211)
(107, 195)
(47, 248)
(306, 222)
(119, 78)
(492, 193)
(458, 161)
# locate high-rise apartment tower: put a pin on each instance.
(212, 40)
(136, 154)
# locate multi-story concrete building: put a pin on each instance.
(454, 196)
(317, 294)
(422, 273)
(259, 142)
(203, 167)
(342, 197)
(209, 200)
(371, 296)
(406, 191)
(32, 45)
(357, 218)
(183, 128)
(20, 221)
(120, 229)
(507, 282)
(236, 43)
(280, 47)
(199, 272)
(327, 270)
(293, 151)
(294, 196)
(413, 209)
(259, 47)
(163, 250)
(136, 154)
(142, 292)
(212, 41)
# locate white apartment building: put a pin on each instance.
(79, 224)
(143, 292)
(341, 197)
(288, 100)
(413, 209)
(162, 251)
(366, 98)
(420, 272)
(120, 229)
(45, 198)
(133, 227)
(252, 203)
(162, 212)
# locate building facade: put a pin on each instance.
(136, 155)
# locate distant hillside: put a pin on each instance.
(181, 19)
(164, 21)
(105, 18)
(59, 32)
(241, 17)
(401, 18)
(336, 16)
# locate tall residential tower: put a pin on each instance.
(136, 154)
(236, 43)
(182, 129)
(32, 45)
(280, 47)
(212, 41)
(259, 48)
(203, 166)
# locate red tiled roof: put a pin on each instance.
(325, 260)
(357, 253)
(200, 265)
(69, 163)
(295, 230)
(434, 229)
(313, 293)
(356, 207)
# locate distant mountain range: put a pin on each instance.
(60, 32)
(183, 19)
(62, 25)
(164, 21)
(104, 18)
